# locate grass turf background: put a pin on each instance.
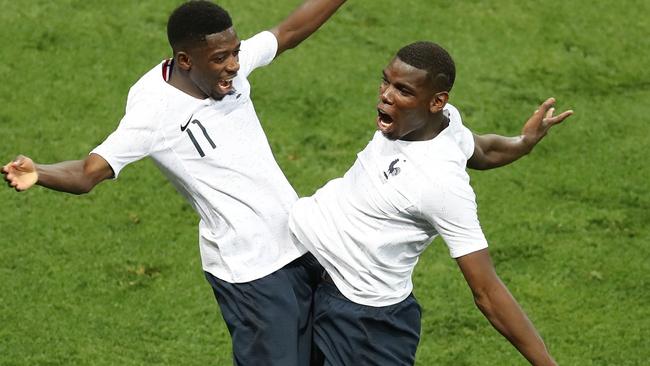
(114, 277)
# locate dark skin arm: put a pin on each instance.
(80, 176)
(500, 307)
(304, 21)
(492, 151)
(75, 176)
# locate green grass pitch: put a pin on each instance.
(113, 277)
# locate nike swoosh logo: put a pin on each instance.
(183, 127)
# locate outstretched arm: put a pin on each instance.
(75, 176)
(500, 307)
(493, 151)
(303, 22)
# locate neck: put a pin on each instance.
(436, 124)
(442, 123)
(180, 80)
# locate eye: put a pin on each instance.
(405, 92)
(236, 53)
(219, 59)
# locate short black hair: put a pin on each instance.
(192, 21)
(432, 58)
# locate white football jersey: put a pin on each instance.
(369, 227)
(217, 156)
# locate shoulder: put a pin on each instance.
(443, 165)
(453, 113)
(150, 90)
(257, 51)
(463, 137)
(263, 38)
(147, 99)
(448, 195)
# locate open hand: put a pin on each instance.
(541, 121)
(20, 174)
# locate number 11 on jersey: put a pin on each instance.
(193, 139)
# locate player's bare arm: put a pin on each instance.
(304, 21)
(75, 176)
(500, 307)
(492, 151)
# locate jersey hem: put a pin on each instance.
(367, 302)
(279, 264)
(460, 253)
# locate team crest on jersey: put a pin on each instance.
(393, 169)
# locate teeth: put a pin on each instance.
(385, 118)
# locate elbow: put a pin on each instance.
(83, 190)
(482, 302)
(486, 163)
(84, 187)
(527, 149)
(88, 185)
(476, 166)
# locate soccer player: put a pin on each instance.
(193, 115)
(408, 186)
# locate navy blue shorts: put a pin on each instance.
(347, 333)
(270, 319)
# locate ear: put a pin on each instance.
(183, 60)
(438, 101)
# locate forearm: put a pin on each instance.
(304, 21)
(507, 317)
(493, 151)
(67, 176)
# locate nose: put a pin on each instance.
(385, 94)
(233, 65)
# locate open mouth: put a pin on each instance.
(384, 121)
(225, 85)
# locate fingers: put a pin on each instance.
(18, 161)
(561, 117)
(548, 103)
(15, 183)
(20, 164)
(548, 109)
(12, 172)
(9, 178)
(545, 107)
(11, 182)
(549, 113)
(543, 112)
(7, 172)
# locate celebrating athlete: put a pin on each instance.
(408, 186)
(193, 115)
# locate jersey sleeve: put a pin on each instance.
(257, 51)
(133, 138)
(451, 209)
(463, 136)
